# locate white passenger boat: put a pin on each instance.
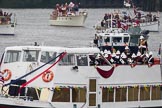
(59, 77)
(147, 20)
(69, 20)
(67, 15)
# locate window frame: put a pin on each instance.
(54, 54)
(31, 58)
(7, 60)
(69, 60)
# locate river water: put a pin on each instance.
(32, 26)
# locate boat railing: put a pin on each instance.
(148, 23)
(133, 58)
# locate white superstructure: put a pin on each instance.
(69, 20)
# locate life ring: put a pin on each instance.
(7, 73)
(48, 76)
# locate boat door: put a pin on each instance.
(92, 93)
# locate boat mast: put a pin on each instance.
(111, 20)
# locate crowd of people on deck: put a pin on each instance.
(124, 20)
(142, 17)
(5, 18)
(119, 20)
(126, 57)
(66, 9)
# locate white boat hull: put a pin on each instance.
(7, 29)
(77, 20)
(151, 26)
(20, 103)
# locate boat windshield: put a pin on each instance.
(107, 39)
(117, 39)
(46, 56)
(12, 56)
(82, 60)
(30, 55)
(69, 59)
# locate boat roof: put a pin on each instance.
(114, 34)
(56, 49)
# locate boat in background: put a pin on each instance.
(146, 20)
(69, 20)
(68, 15)
(118, 20)
(134, 23)
(7, 25)
(152, 26)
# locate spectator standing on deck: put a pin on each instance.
(142, 45)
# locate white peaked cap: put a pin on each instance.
(71, 2)
(105, 51)
(118, 52)
(123, 55)
(113, 55)
(106, 55)
(126, 47)
(108, 52)
(150, 53)
(101, 52)
(147, 55)
(141, 37)
(138, 53)
(133, 55)
(98, 56)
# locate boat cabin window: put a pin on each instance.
(33, 93)
(107, 95)
(120, 94)
(117, 39)
(30, 55)
(12, 56)
(68, 59)
(133, 93)
(61, 95)
(144, 93)
(82, 60)
(92, 58)
(79, 94)
(107, 39)
(126, 39)
(46, 56)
